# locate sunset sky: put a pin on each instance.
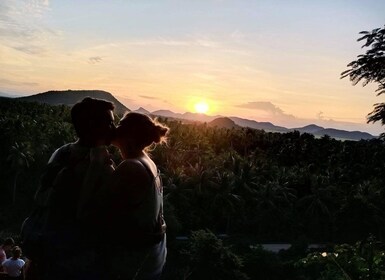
(277, 61)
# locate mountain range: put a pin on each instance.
(317, 131)
(70, 97)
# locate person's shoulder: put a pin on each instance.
(60, 153)
(131, 166)
(132, 170)
(21, 261)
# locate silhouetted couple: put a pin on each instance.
(104, 222)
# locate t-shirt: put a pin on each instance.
(13, 267)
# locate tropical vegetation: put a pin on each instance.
(249, 185)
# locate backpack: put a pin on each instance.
(57, 189)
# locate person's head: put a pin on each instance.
(137, 131)
(8, 244)
(93, 120)
(16, 252)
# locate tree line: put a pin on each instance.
(273, 186)
(253, 185)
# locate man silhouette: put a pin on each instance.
(70, 248)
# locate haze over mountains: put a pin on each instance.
(70, 97)
(267, 126)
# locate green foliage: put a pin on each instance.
(208, 258)
(363, 260)
(248, 183)
(261, 264)
(245, 181)
(370, 67)
(275, 186)
(29, 133)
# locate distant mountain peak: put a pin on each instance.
(141, 110)
(223, 122)
(70, 97)
(311, 128)
(267, 126)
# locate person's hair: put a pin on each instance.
(142, 129)
(89, 109)
(9, 242)
(16, 252)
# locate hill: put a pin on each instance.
(343, 134)
(141, 110)
(312, 128)
(70, 97)
(223, 123)
(267, 126)
(335, 133)
(185, 116)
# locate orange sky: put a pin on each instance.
(277, 61)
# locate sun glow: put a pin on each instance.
(201, 107)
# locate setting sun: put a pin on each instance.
(201, 107)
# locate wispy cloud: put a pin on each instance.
(164, 101)
(320, 115)
(16, 83)
(21, 28)
(95, 59)
(149, 97)
(172, 42)
(30, 49)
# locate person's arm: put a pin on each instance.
(4, 266)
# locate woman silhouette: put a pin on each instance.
(138, 200)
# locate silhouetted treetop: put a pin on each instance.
(370, 67)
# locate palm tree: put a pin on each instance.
(19, 158)
(225, 201)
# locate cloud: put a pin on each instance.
(95, 59)
(30, 49)
(15, 83)
(262, 106)
(194, 41)
(320, 115)
(148, 97)
(277, 116)
(21, 27)
(164, 101)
